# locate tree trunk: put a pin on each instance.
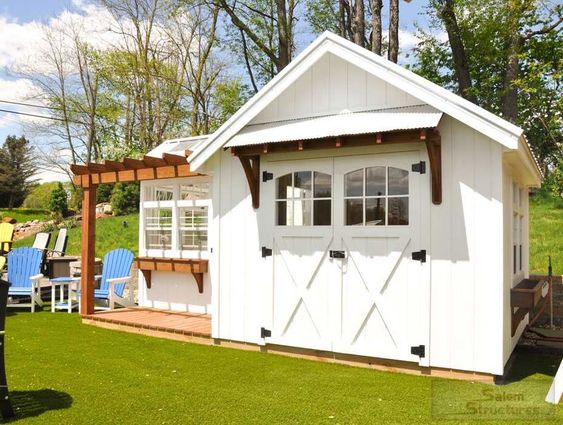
(393, 30)
(510, 91)
(283, 36)
(359, 23)
(376, 37)
(462, 73)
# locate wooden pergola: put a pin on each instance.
(89, 176)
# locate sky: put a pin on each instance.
(21, 26)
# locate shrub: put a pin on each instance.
(103, 194)
(58, 204)
(125, 198)
(39, 196)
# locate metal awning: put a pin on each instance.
(344, 124)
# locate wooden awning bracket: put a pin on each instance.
(251, 166)
(434, 148)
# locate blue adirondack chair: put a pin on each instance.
(24, 266)
(116, 273)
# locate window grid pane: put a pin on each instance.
(303, 198)
(383, 193)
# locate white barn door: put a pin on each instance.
(300, 205)
(343, 277)
(384, 297)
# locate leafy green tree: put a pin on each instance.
(505, 57)
(17, 167)
(58, 203)
(39, 196)
(125, 198)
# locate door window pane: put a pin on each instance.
(322, 185)
(375, 212)
(322, 212)
(398, 211)
(398, 181)
(354, 183)
(302, 185)
(283, 212)
(354, 211)
(284, 186)
(375, 181)
(302, 213)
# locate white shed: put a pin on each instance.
(351, 207)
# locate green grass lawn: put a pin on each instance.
(24, 214)
(111, 233)
(546, 235)
(63, 372)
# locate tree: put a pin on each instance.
(262, 33)
(506, 57)
(349, 20)
(58, 204)
(17, 166)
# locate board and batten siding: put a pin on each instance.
(320, 91)
(467, 254)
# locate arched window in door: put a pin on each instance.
(303, 198)
(376, 196)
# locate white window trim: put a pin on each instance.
(174, 204)
(518, 219)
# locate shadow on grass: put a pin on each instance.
(532, 360)
(28, 404)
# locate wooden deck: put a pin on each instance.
(161, 323)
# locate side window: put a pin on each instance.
(376, 196)
(304, 198)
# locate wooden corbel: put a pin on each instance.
(434, 146)
(251, 166)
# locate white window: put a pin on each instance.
(376, 196)
(518, 195)
(175, 217)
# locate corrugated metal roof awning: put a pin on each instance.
(351, 123)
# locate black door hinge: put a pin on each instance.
(266, 252)
(264, 333)
(337, 254)
(267, 176)
(419, 167)
(417, 350)
(419, 256)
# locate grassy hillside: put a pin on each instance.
(24, 214)
(111, 233)
(546, 234)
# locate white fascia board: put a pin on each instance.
(461, 109)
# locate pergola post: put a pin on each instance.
(88, 253)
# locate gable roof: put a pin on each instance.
(479, 119)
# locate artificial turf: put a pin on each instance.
(63, 372)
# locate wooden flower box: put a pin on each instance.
(196, 267)
(527, 293)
